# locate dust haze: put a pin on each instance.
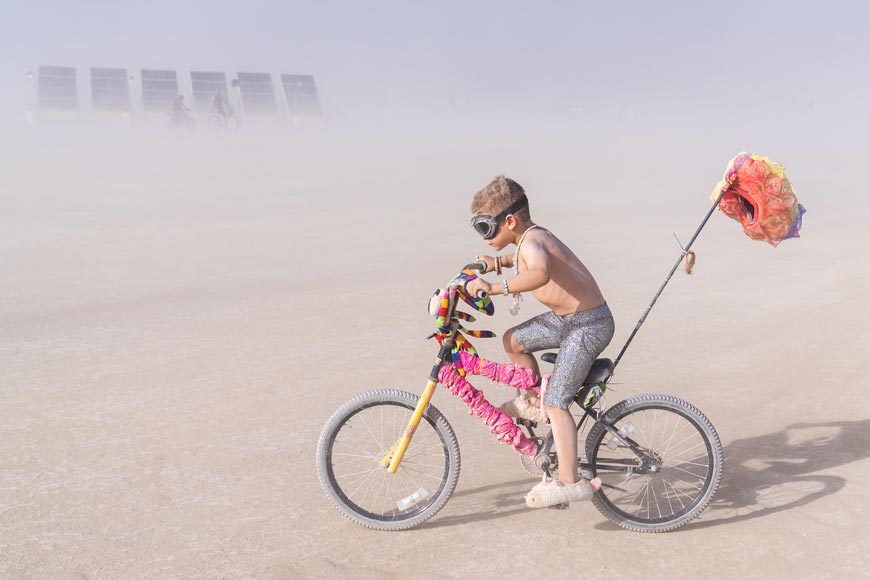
(182, 310)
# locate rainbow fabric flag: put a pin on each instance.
(756, 193)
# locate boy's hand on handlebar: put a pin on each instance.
(473, 286)
(489, 261)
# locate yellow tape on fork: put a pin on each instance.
(394, 456)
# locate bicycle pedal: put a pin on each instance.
(559, 506)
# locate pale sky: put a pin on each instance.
(607, 58)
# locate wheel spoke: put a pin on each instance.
(367, 457)
(351, 441)
(366, 425)
(422, 473)
(698, 444)
(695, 475)
(676, 493)
(669, 443)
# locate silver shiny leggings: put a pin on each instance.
(580, 338)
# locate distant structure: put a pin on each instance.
(204, 84)
(300, 96)
(159, 90)
(257, 94)
(57, 91)
(112, 93)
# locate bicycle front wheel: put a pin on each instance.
(355, 439)
(679, 475)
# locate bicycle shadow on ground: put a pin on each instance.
(763, 475)
(508, 503)
(777, 472)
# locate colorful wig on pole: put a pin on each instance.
(756, 192)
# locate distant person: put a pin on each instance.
(180, 116)
(179, 109)
(219, 103)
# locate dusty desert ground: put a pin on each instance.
(180, 313)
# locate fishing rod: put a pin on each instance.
(668, 279)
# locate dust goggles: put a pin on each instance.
(487, 225)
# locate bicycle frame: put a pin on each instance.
(394, 456)
(543, 457)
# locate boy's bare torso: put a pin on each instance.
(571, 287)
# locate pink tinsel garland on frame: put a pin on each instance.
(500, 424)
(516, 376)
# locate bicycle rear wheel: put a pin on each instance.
(678, 480)
(355, 439)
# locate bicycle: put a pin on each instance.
(182, 120)
(226, 120)
(653, 480)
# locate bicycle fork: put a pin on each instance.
(394, 456)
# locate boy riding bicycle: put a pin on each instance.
(579, 324)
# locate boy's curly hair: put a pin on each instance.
(499, 194)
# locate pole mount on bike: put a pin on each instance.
(683, 254)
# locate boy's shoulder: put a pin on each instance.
(543, 240)
(538, 239)
(541, 234)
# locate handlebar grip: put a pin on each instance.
(480, 293)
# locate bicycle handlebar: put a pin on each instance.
(480, 266)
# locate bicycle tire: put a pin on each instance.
(606, 498)
(379, 399)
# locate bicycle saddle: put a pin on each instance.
(601, 369)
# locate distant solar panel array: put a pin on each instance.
(159, 89)
(258, 93)
(301, 95)
(57, 88)
(112, 91)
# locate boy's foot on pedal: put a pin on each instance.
(553, 492)
(523, 407)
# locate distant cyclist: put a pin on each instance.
(219, 103)
(179, 109)
(180, 116)
(222, 114)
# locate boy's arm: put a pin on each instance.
(507, 261)
(536, 269)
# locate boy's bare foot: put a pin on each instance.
(554, 492)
